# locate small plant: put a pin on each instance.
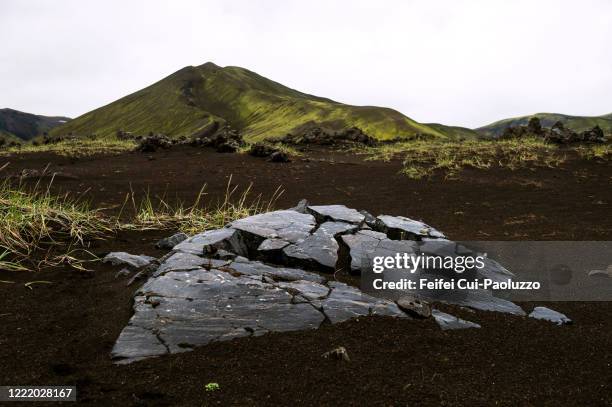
(210, 387)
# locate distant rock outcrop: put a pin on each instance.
(558, 133)
(321, 136)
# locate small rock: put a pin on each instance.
(448, 321)
(547, 314)
(339, 353)
(400, 228)
(301, 206)
(224, 255)
(153, 142)
(168, 243)
(261, 150)
(414, 307)
(228, 147)
(131, 260)
(279, 157)
(370, 220)
(336, 213)
(123, 273)
(607, 273)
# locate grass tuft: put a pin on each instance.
(33, 221)
(157, 213)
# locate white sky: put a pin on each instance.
(451, 61)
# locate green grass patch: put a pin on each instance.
(596, 151)
(81, 147)
(283, 148)
(422, 158)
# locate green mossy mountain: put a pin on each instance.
(189, 100)
(575, 123)
(16, 125)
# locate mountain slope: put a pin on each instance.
(26, 126)
(187, 101)
(576, 123)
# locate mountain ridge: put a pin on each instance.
(15, 124)
(187, 101)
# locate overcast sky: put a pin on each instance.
(456, 62)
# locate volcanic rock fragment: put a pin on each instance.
(447, 321)
(131, 260)
(338, 353)
(414, 307)
(402, 228)
(319, 250)
(547, 314)
(336, 213)
(287, 225)
(211, 241)
(169, 242)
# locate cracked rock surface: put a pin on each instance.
(273, 272)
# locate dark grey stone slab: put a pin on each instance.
(212, 240)
(547, 314)
(476, 299)
(447, 321)
(287, 225)
(182, 261)
(306, 289)
(256, 268)
(168, 243)
(336, 213)
(135, 343)
(177, 311)
(345, 302)
(400, 228)
(366, 244)
(126, 259)
(318, 251)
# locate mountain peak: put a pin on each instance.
(189, 100)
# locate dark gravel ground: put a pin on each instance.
(62, 333)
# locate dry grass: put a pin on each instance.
(56, 229)
(39, 230)
(156, 213)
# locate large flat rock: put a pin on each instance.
(262, 274)
(285, 224)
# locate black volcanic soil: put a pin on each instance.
(62, 333)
